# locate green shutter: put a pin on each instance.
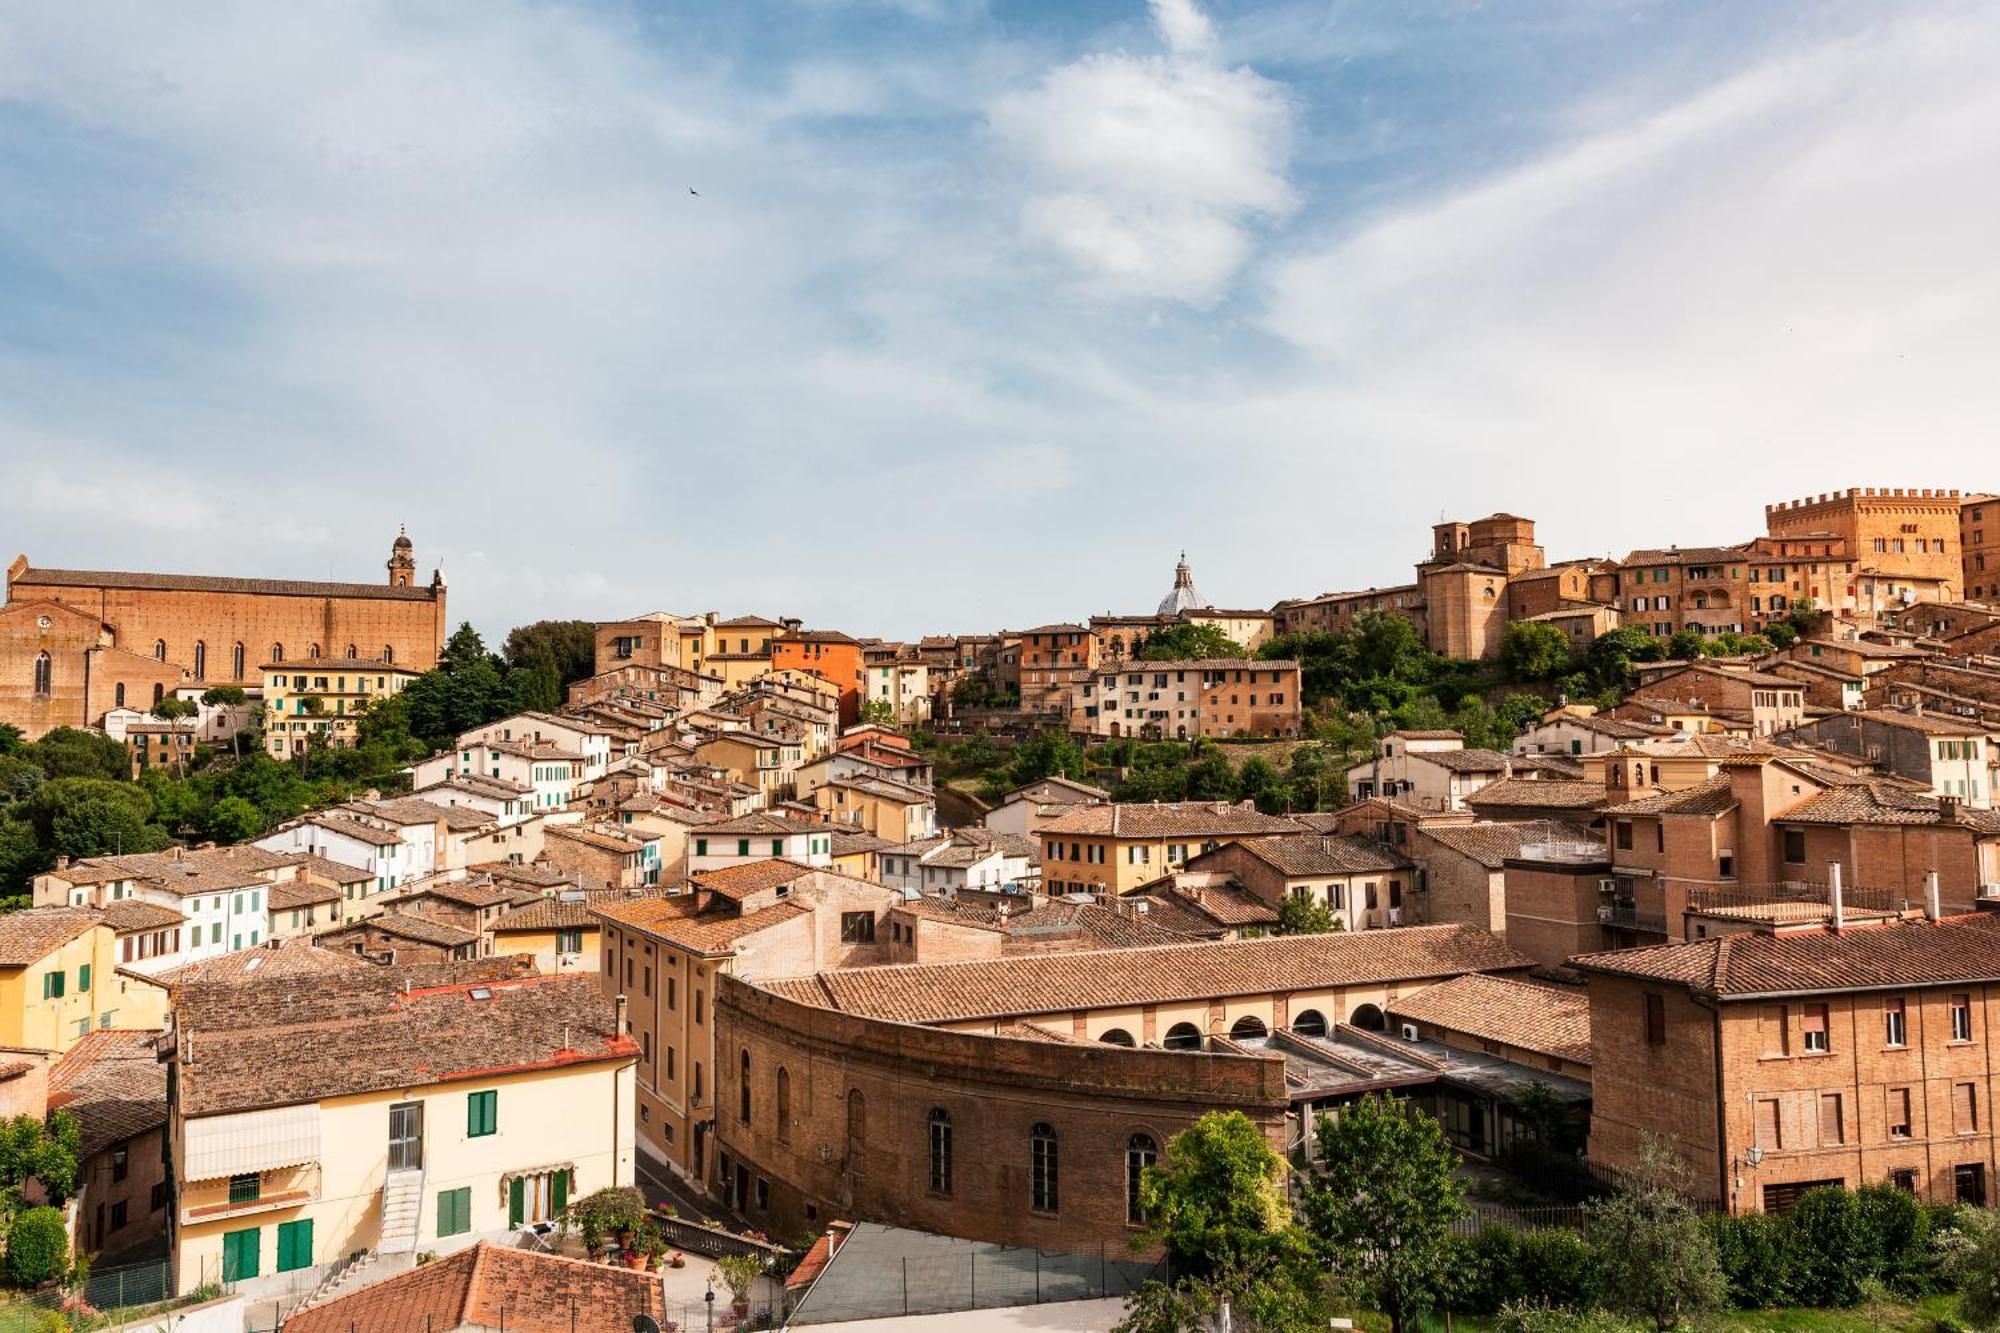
(559, 1191)
(482, 1114)
(295, 1245)
(454, 1211)
(239, 1254)
(83, 978)
(517, 1202)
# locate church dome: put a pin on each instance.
(1183, 597)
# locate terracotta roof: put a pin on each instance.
(130, 914)
(766, 824)
(409, 810)
(1061, 787)
(491, 1286)
(1955, 950)
(336, 872)
(1712, 797)
(1169, 819)
(846, 842)
(1488, 844)
(271, 959)
(1687, 555)
(402, 925)
(1096, 979)
(472, 893)
(209, 869)
(91, 578)
(302, 893)
(1548, 1020)
(27, 937)
(274, 1043)
(1931, 724)
(1874, 802)
(1540, 793)
(1211, 902)
(739, 881)
(675, 921)
(1429, 736)
(353, 828)
(548, 914)
(1461, 761)
(1319, 854)
(114, 1085)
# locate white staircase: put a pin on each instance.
(344, 1276)
(402, 1207)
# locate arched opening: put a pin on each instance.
(784, 1111)
(200, 660)
(1367, 1017)
(159, 691)
(277, 652)
(1182, 1037)
(352, 652)
(941, 1164)
(857, 1132)
(1248, 1028)
(118, 695)
(1043, 1169)
(313, 652)
(1140, 1152)
(388, 652)
(160, 649)
(1311, 1023)
(45, 674)
(236, 662)
(1116, 1037)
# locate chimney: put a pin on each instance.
(62, 863)
(1948, 811)
(1933, 906)
(1833, 896)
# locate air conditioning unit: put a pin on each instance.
(1607, 887)
(1604, 913)
(1410, 1032)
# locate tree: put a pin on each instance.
(878, 711)
(1661, 1261)
(1534, 650)
(1187, 642)
(1610, 656)
(1976, 1267)
(1211, 778)
(228, 696)
(77, 817)
(1302, 914)
(11, 741)
(68, 752)
(567, 647)
(174, 711)
(468, 688)
(1381, 1203)
(1781, 634)
(35, 1149)
(1686, 645)
(233, 819)
(1046, 754)
(37, 1247)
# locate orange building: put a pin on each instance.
(1905, 540)
(828, 654)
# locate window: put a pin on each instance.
(295, 1245)
(1965, 1108)
(1776, 1028)
(52, 985)
(784, 1101)
(1904, 1179)
(857, 927)
(245, 1188)
(120, 1214)
(236, 662)
(940, 1123)
(121, 1164)
(1769, 1133)
(1895, 1028)
(1830, 1120)
(82, 978)
(1044, 1166)
(1899, 1113)
(1656, 1020)
(1795, 847)
(1140, 1153)
(1813, 1028)
(1961, 1017)
(239, 1255)
(160, 649)
(42, 675)
(570, 940)
(743, 1089)
(454, 1211)
(482, 1114)
(1624, 835)
(1182, 1037)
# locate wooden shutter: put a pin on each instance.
(1767, 1123)
(1964, 1109)
(559, 1192)
(1829, 1119)
(295, 1245)
(517, 1206)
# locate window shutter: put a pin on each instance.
(83, 978)
(517, 1208)
(559, 1191)
(295, 1245)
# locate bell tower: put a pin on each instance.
(402, 564)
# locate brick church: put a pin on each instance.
(76, 643)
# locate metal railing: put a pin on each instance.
(129, 1296)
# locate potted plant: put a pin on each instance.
(593, 1237)
(656, 1247)
(614, 1212)
(738, 1272)
(677, 1260)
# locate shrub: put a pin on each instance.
(1896, 1230)
(1536, 1317)
(1490, 1265)
(1561, 1266)
(37, 1247)
(1829, 1247)
(1756, 1259)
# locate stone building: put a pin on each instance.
(1906, 541)
(75, 644)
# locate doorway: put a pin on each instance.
(406, 1136)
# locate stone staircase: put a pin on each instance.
(344, 1276)
(402, 1206)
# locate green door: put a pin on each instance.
(239, 1254)
(517, 1202)
(295, 1245)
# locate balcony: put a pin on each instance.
(1626, 916)
(247, 1193)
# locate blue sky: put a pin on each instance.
(982, 311)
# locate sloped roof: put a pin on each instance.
(1321, 854)
(1955, 950)
(493, 1286)
(1549, 1020)
(1167, 819)
(114, 1085)
(1540, 793)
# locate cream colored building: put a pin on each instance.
(311, 1122)
(324, 697)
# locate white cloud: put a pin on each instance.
(1151, 174)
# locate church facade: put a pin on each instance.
(75, 644)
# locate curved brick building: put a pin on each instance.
(76, 643)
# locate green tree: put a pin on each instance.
(67, 752)
(228, 696)
(1381, 1202)
(78, 817)
(1301, 914)
(1781, 634)
(174, 712)
(1186, 642)
(35, 1149)
(468, 688)
(1259, 781)
(1975, 1266)
(1610, 656)
(1534, 650)
(567, 647)
(1211, 778)
(1661, 1262)
(37, 1247)
(233, 819)
(1686, 645)
(1046, 754)
(878, 711)
(11, 738)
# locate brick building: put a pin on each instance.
(1979, 546)
(1186, 698)
(1110, 849)
(75, 644)
(1905, 542)
(1776, 1063)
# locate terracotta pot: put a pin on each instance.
(741, 1309)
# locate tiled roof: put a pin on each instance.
(675, 921)
(1873, 802)
(90, 578)
(1322, 854)
(766, 824)
(272, 959)
(847, 842)
(491, 1286)
(275, 1043)
(420, 929)
(738, 882)
(1931, 724)
(1549, 1020)
(1461, 761)
(353, 828)
(1429, 736)
(130, 914)
(202, 869)
(302, 893)
(1169, 819)
(1192, 902)
(335, 872)
(1095, 979)
(405, 810)
(1540, 793)
(1488, 844)
(1057, 790)
(548, 914)
(1687, 555)
(114, 1085)
(1712, 797)
(27, 937)
(474, 893)
(1962, 950)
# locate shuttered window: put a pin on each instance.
(1830, 1118)
(239, 1254)
(1814, 1028)
(295, 1245)
(1899, 1113)
(482, 1114)
(454, 1211)
(1767, 1124)
(1895, 1024)
(1775, 1028)
(1656, 1020)
(1964, 1108)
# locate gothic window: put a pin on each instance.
(784, 1105)
(743, 1089)
(44, 674)
(118, 695)
(200, 660)
(236, 662)
(160, 649)
(352, 653)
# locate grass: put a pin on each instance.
(1894, 1317)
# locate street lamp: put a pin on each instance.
(709, 1301)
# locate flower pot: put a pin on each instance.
(740, 1308)
(635, 1260)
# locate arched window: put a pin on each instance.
(352, 653)
(1247, 1028)
(118, 695)
(1183, 1037)
(940, 1150)
(1044, 1166)
(388, 652)
(313, 652)
(1311, 1023)
(743, 1088)
(160, 649)
(1117, 1037)
(1368, 1018)
(784, 1106)
(857, 1132)
(45, 674)
(236, 662)
(200, 660)
(159, 691)
(277, 652)
(1140, 1153)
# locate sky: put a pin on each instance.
(907, 316)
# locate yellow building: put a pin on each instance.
(418, 1120)
(324, 696)
(1113, 849)
(561, 933)
(768, 763)
(59, 980)
(882, 806)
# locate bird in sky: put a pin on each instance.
(696, 193)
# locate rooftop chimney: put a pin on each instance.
(1933, 907)
(1839, 917)
(1948, 810)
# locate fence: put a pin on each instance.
(941, 1276)
(130, 1296)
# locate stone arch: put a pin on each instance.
(1310, 1023)
(1248, 1028)
(1182, 1037)
(1368, 1018)
(1116, 1037)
